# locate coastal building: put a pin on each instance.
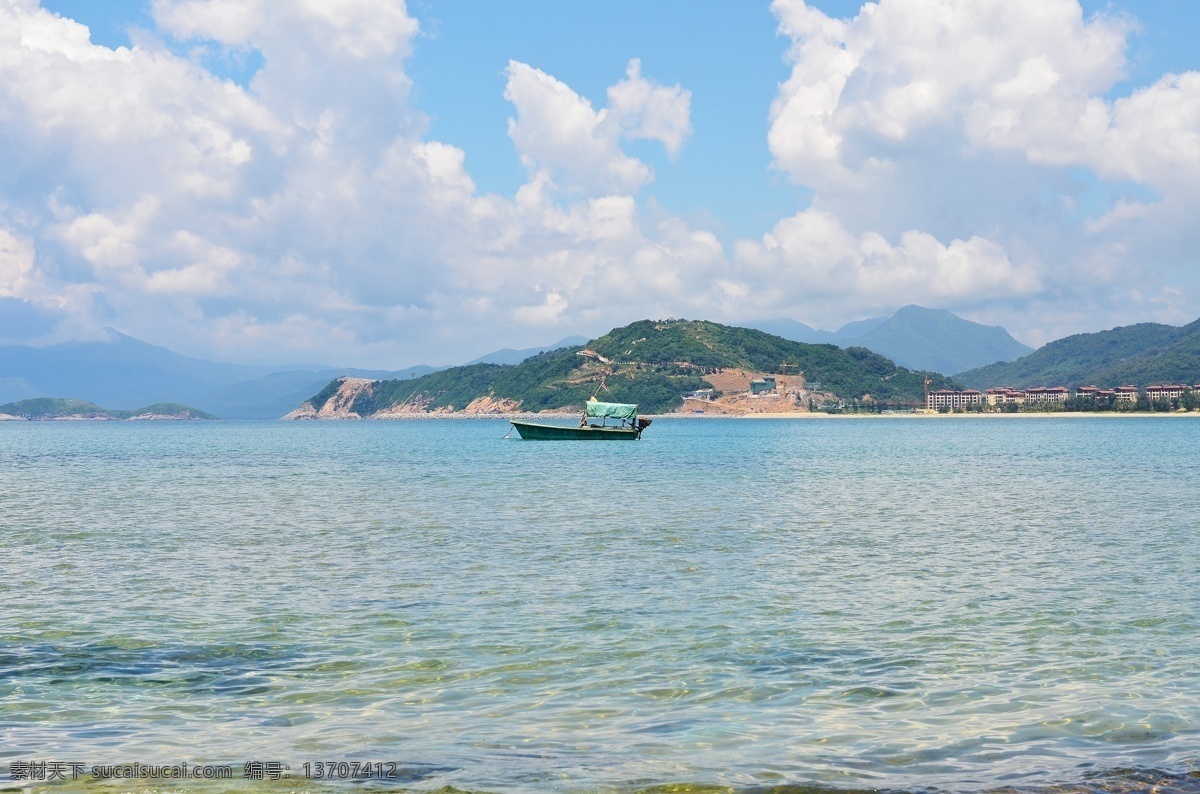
(1003, 395)
(1049, 395)
(1096, 393)
(1159, 392)
(950, 399)
(1127, 393)
(1052, 394)
(701, 394)
(762, 386)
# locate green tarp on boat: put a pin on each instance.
(611, 410)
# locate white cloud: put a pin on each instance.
(359, 29)
(82, 113)
(971, 120)
(1023, 76)
(652, 112)
(811, 262)
(1010, 72)
(309, 216)
(112, 245)
(17, 273)
(333, 70)
(558, 131)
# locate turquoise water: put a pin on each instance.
(957, 604)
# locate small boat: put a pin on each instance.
(630, 429)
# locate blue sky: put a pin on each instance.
(728, 54)
(743, 173)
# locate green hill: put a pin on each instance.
(1140, 354)
(652, 363)
(42, 408)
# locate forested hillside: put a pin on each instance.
(652, 363)
(1139, 354)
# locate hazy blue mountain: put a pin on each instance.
(793, 330)
(510, 356)
(799, 332)
(914, 337)
(1139, 354)
(937, 340)
(123, 372)
(859, 328)
(272, 396)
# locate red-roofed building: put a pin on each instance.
(1051, 394)
(1127, 393)
(1164, 392)
(1003, 395)
(950, 399)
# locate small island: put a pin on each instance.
(43, 409)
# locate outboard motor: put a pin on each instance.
(641, 423)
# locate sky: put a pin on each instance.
(381, 184)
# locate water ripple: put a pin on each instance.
(751, 606)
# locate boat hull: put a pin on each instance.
(532, 431)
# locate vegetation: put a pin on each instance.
(849, 374)
(62, 408)
(1143, 354)
(652, 364)
(170, 409)
(331, 388)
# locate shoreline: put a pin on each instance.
(813, 415)
(934, 415)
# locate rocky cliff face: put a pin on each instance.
(492, 406)
(339, 405)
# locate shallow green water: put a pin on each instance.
(880, 603)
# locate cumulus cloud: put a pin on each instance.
(813, 254)
(558, 131)
(333, 69)
(1008, 72)
(1022, 76)
(975, 120)
(360, 29)
(307, 215)
(310, 216)
(16, 265)
(645, 110)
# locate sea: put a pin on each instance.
(749, 605)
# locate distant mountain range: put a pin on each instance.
(1140, 354)
(914, 337)
(510, 356)
(124, 371)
